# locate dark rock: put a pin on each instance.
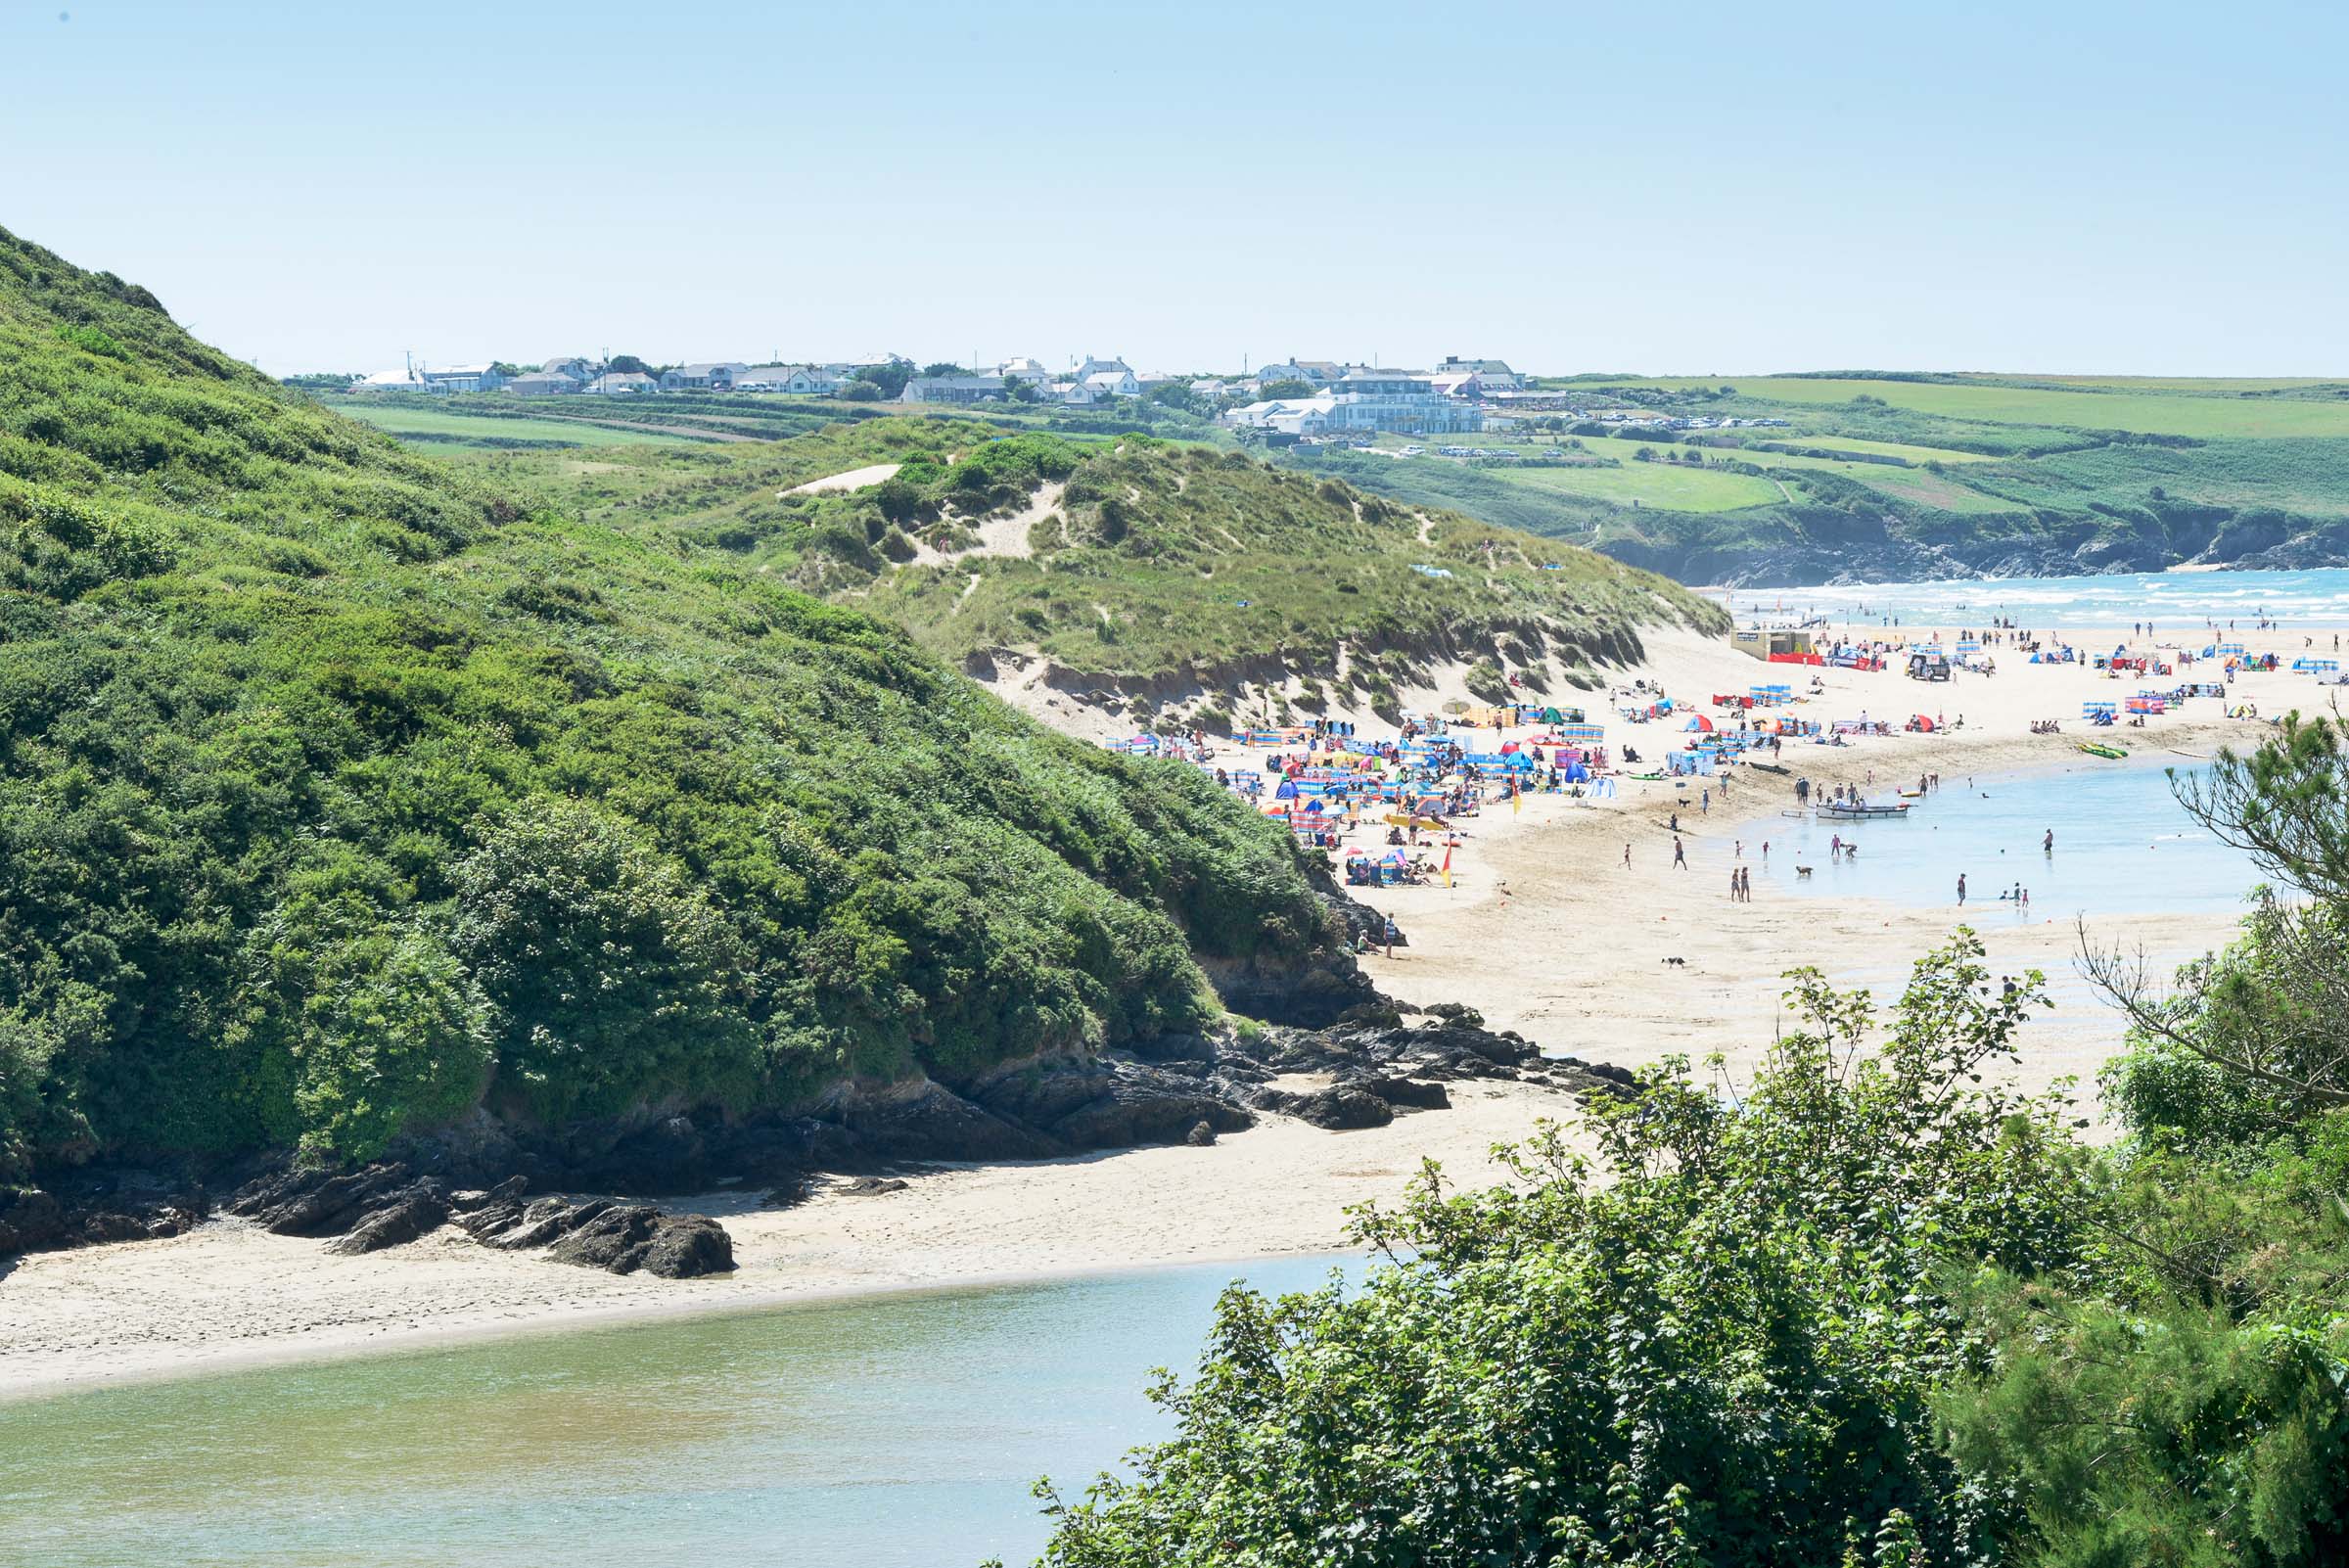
(1109, 1102)
(1412, 1092)
(312, 1202)
(871, 1186)
(1166, 1050)
(29, 1219)
(1343, 1108)
(107, 1225)
(936, 1124)
(1459, 1013)
(1202, 1135)
(623, 1238)
(418, 1209)
(689, 1246)
(616, 1237)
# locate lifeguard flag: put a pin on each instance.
(1446, 867)
(1516, 801)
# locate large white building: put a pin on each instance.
(1361, 401)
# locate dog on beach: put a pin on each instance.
(1802, 873)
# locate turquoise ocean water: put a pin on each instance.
(2183, 599)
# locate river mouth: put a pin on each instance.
(890, 1432)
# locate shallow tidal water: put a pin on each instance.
(2123, 844)
(891, 1432)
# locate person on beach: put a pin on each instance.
(1961, 890)
(1732, 887)
(1680, 855)
(2047, 845)
(1627, 857)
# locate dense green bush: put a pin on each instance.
(340, 791)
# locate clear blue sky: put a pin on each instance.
(1690, 188)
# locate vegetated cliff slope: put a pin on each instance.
(340, 795)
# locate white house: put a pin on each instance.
(1287, 416)
(953, 390)
(717, 375)
(624, 383)
(1093, 367)
(1492, 374)
(1024, 369)
(1118, 382)
(463, 379)
(389, 381)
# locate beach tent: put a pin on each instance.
(1699, 723)
(1287, 790)
(1922, 725)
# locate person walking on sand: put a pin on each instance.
(1680, 856)
(1961, 890)
(1627, 857)
(1732, 885)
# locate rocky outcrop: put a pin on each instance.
(380, 1204)
(96, 1206)
(387, 1204)
(599, 1234)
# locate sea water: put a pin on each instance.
(2183, 601)
(882, 1433)
(2124, 844)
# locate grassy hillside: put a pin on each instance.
(343, 791)
(1157, 572)
(1906, 476)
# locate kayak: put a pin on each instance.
(1849, 812)
(2099, 748)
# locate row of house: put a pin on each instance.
(1096, 380)
(567, 375)
(1341, 399)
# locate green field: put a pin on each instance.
(1901, 449)
(463, 428)
(1667, 485)
(2160, 413)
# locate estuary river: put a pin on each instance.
(899, 1432)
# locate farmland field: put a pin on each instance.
(1668, 486)
(455, 427)
(2162, 413)
(1915, 454)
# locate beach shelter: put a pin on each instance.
(1922, 725)
(1699, 723)
(1287, 790)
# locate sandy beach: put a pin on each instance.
(1544, 930)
